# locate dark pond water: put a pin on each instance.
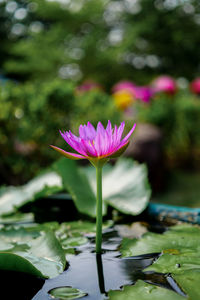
(96, 274)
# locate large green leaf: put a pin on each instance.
(125, 186)
(177, 238)
(31, 251)
(76, 183)
(144, 291)
(14, 197)
(177, 262)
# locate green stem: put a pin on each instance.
(99, 209)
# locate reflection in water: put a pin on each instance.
(100, 274)
(96, 274)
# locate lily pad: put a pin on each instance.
(125, 186)
(12, 197)
(17, 218)
(74, 234)
(177, 262)
(177, 238)
(66, 293)
(31, 251)
(144, 291)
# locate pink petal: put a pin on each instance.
(91, 132)
(70, 155)
(114, 138)
(89, 148)
(109, 128)
(87, 132)
(98, 142)
(100, 129)
(73, 141)
(105, 144)
(82, 132)
(120, 131)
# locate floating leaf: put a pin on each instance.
(73, 234)
(78, 228)
(66, 293)
(17, 218)
(176, 263)
(31, 251)
(14, 197)
(177, 238)
(144, 291)
(125, 186)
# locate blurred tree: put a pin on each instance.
(99, 39)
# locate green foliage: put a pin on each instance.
(178, 117)
(94, 106)
(81, 39)
(31, 116)
(100, 40)
(182, 189)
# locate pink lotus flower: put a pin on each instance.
(195, 86)
(96, 144)
(165, 84)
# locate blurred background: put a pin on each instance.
(66, 62)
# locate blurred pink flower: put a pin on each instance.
(143, 93)
(88, 85)
(165, 84)
(96, 144)
(195, 86)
